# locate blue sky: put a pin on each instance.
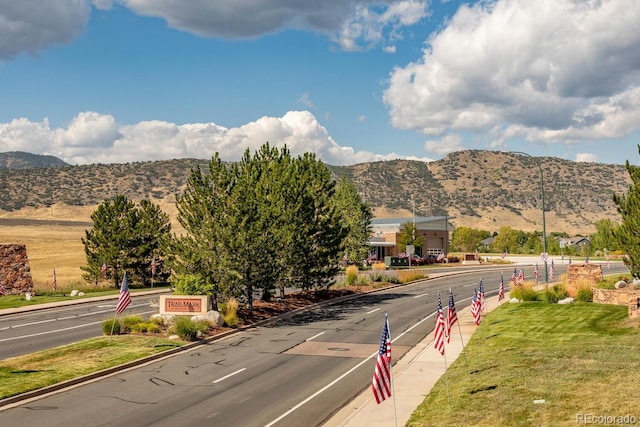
(354, 81)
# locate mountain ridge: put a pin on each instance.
(481, 189)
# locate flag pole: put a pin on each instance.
(446, 371)
(113, 324)
(464, 354)
(393, 394)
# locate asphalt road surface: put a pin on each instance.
(296, 372)
(31, 331)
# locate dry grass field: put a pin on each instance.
(53, 240)
(49, 246)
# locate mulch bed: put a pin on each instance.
(263, 310)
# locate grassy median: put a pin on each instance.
(43, 368)
(538, 364)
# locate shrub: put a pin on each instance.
(524, 292)
(230, 312)
(153, 328)
(379, 266)
(352, 274)
(187, 329)
(129, 323)
(111, 327)
(555, 293)
(405, 276)
(584, 295)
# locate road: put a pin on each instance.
(31, 331)
(298, 371)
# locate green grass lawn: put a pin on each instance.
(43, 368)
(579, 358)
(15, 301)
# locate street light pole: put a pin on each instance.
(544, 225)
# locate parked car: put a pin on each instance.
(415, 259)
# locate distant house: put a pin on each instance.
(577, 242)
(435, 232)
(486, 243)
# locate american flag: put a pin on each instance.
(452, 316)
(125, 297)
(381, 384)
(608, 263)
(501, 289)
(440, 329)
(54, 281)
(551, 271)
(535, 273)
(521, 276)
(586, 261)
(153, 266)
(440, 256)
(514, 277)
(475, 307)
(3, 291)
(103, 270)
(481, 297)
(504, 254)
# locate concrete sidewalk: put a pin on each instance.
(413, 378)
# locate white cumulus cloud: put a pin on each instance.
(97, 138)
(586, 157)
(546, 71)
(33, 25)
(445, 145)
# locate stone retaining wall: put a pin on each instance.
(626, 296)
(15, 273)
(582, 275)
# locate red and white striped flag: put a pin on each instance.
(475, 307)
(54, 281)
(452, 316)
(521, 276)
(608, 263)
(551, 271)
(501, 289)
(381, 384)
(3, 291)
(440, 329)
(103, 269)
(481, 297)
(535, 273)
(125, 297)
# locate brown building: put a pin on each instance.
(435, 232)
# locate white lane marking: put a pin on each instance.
(421, 295)
(373, 311)
(52, 331)
(230, 375)
(468, 286)
(315, 336)
(334, 382)
(32, 323)
(49, 332)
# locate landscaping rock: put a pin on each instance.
(514, 301)
(74, 293)
(213, 318)
(567, 300)
(621, 284)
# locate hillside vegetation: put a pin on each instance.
(482, 189)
